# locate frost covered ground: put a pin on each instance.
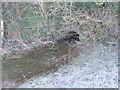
(96, 70)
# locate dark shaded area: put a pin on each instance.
(71, 37)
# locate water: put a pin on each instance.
(43, 60)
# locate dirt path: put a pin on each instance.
(96, 70)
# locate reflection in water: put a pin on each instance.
(40, 61)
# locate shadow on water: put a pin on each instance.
(16, 71)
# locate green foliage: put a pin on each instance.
(86, 5)
(46, 20)
(93, 5)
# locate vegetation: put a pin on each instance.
(47, 21)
